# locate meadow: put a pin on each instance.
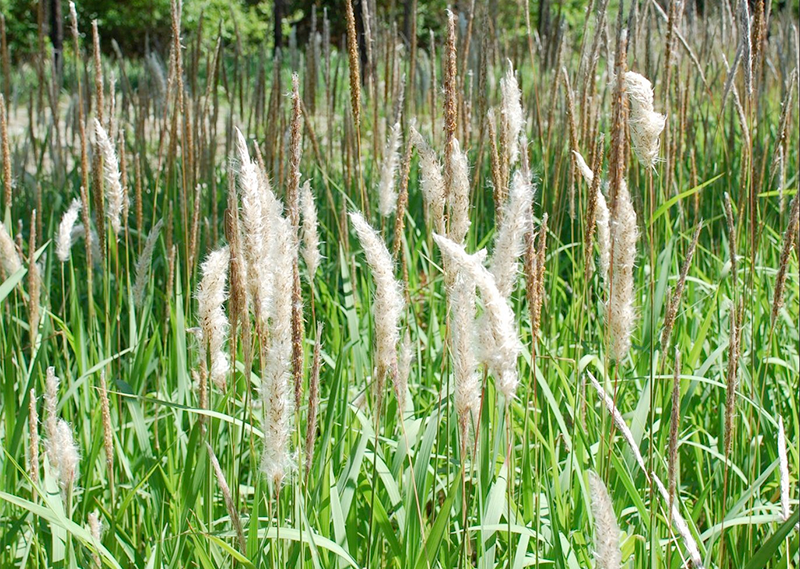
(466, 298)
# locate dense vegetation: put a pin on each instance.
(474, 299)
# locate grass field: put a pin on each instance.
(522, 300)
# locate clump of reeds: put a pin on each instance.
(211, 294)
(607, 552)
(387, 306)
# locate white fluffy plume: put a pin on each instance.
(64, 237)
(115, 195)
(388, 303)
(508, 241)
(607, 553)
(387, 194)
(9, 257)
(211, 295)
(310, 251)
(621, 311)
(513, 116)
(432, 180)
(459, 194)
(467, 380)
(59, 445)
(644, 124)
(276, 384)
(499, 345)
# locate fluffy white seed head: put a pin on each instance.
(459, 193)
(211, 295)
(253, 231)
(513, 116)
(143, 263)
(64, 237)
(607, 552)
(115, 194)
(465, 372)
(388, 302)
(387, 194)
(498, 345)
(310, 251)
(432, 180)
(645, 125)
(508, 242)
(277, 388)
(9, 257)
(62, 453)
(621, 312)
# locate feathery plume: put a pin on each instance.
(499, 345)
(277, 383)
(143, 263)
(458, 192)
(64, 237)
(732, 376)
(508, 241)
(259, 280)
(607, 552)
(211, 294)
(621, 312)
(645, 125)
(387, 194)
(602, 221)
(619, 421)
(355, 66)
(387, 306)
(513, 117)
(34, 281)
(115, 195)
(60, 447)
(681, 526)
(467, 380)
(538, 282)
(9, 257)
(431, 180)
(228, 498)
(310, 250)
